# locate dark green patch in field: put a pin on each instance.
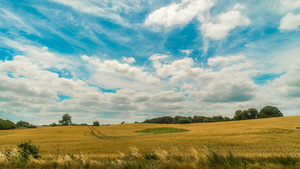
(162, 130)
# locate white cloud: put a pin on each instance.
(219, 60)
(178, 13)
(290, 22)
(224, 23)
(128, 60)
(289, 84)
(123, 74)
(158, 57)
(290, 4)
(239, 6)
(179, 70)
(232, 83)
(187, 51)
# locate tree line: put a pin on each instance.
(7, 124)
(251, 113)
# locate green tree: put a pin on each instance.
(66, 120)
(185, 120)
(245, 115)
(226, 119)
(269, 111)
(96, 123)
(25, 124)
(238, 115)
(53, 124)
(7, 124)
(253, 113)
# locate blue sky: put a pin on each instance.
(115, 61)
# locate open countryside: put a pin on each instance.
(259, 138)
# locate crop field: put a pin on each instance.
(249, 138)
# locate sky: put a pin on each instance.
(131, 60)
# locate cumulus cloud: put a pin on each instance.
(232, 83)
(112, 69)
(289, 83)
(128, 60)
(224, 23)
(179, 70)
(178, 13)
(290, 22)
(182, 13)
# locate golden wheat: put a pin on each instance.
(260, 137)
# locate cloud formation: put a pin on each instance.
(224, 23)
(290, 22)
(178, 13)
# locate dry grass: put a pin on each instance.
(250, 138)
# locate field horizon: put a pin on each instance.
(258, 137)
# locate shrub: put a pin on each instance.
(27, 149)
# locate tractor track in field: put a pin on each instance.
(99, 135)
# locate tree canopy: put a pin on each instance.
(269, 111)
(66, 120)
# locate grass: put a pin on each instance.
(162, 130)
(254, 140)
(158, 158)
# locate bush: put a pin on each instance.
(27, 149)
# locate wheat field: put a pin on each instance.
(249, 138)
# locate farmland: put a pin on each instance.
(250, 138)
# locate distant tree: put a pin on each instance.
(185, 120)
(206, 120)
(238, 115)
(245, 115)
(136, 122)
(269, 111)
(22, 124)
(123, 122)
(226, 119)
(53, 124)
(96, 123)
(218, 118)
(253, 113)
(25, 124)
(7, 124)
(66, 120)
(176, 119)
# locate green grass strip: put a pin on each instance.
(162, 130)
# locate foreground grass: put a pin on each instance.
(162, 130)
(174, 158)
